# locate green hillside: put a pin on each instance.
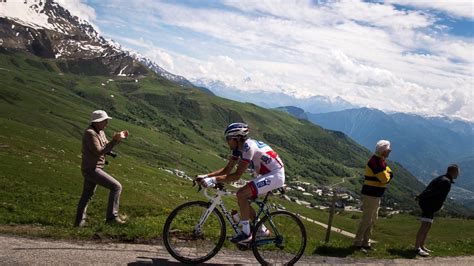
(45, 106)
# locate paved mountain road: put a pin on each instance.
(16, 250)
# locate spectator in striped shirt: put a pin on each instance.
(376, 177)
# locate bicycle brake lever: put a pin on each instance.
(199, 184)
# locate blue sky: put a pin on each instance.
(394, 55)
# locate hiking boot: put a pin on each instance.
(115, 221)
(241, 238)
(421, 252)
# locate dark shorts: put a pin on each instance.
(427, 213)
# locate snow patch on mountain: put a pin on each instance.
(62, 35)
(28, 13)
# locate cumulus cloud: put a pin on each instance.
(369, 53)
(163, 58)
(458, 8)
(79, 9)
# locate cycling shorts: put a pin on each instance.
(267, 182)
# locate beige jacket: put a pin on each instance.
(94, 147)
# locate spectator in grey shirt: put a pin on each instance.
(94, 148)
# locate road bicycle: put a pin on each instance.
(195, 231)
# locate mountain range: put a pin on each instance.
(269, 99)
(425, 145)
(55, 69)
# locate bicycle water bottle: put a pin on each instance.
(235, 216)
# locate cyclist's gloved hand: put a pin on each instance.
(208, 182)
(199, 179)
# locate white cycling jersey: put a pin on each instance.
(260, 156)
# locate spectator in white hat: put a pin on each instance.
(94, 148)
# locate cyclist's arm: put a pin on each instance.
(241, 168)
(224, 171)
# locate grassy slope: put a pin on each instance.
(42, 115)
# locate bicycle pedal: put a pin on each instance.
(243, 246)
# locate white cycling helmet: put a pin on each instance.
(236, 130)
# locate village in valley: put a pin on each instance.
(311, 196)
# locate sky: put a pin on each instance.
(394, 55)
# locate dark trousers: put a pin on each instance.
(92, 178)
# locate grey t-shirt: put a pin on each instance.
(94, 147)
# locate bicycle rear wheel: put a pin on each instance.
(286, 242)
(184, 242)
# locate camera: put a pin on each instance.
(111, 153)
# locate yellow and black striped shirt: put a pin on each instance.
(377, 176)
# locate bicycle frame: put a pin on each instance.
(216, 200)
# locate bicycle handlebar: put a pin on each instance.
(196, 181)
(220, 187)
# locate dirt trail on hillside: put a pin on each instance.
(22, 250)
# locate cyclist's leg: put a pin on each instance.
(260, 185)
(252, 213)
(266, 183)
(245, 199)
(243, 195)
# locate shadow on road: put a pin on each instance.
(407, 253)
(165, 262)
(334, 251)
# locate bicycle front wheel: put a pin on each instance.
(285, 243)
(187, 242)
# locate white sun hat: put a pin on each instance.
(99, 116)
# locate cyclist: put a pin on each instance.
(266, 166)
